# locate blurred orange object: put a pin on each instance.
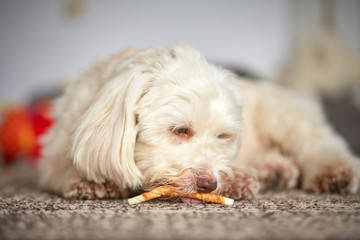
(20, 131)
(41, 121)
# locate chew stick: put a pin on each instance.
(172, 192)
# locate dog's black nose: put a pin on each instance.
(206, 184)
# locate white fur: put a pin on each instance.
(118, 123)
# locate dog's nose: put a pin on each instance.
(206, 183)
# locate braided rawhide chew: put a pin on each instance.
(172, 192)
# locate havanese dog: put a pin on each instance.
(156, 116)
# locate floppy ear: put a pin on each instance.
(104, 137)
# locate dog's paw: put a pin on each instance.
(277, 175)
(276, 172)
(243, 185)
(86, 190)
(337, 178)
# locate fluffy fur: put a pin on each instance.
(149, 117)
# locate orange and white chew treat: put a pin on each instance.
(171, 191)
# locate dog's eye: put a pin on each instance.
(182, 132)
(224, 136)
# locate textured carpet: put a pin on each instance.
(27, 213)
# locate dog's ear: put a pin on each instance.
(104, 137)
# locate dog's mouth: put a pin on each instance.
(182, 198)
(188, 181)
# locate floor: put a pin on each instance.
(27, 213)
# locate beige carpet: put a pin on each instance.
(27, 213)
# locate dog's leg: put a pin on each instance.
(323, 157)
(61, 177)
(279, 119)
(70, 184)
(242, 185)
(88, 190)
(327, 165)
(277, 172)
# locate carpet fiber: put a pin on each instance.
(27, 213)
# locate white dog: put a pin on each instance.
(158, 116)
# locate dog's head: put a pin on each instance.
(169, 117)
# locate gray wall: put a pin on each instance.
(40, 43)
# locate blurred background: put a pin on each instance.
(312, 46)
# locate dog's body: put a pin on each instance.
(157, 116)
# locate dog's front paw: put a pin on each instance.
(243, 185)
(277, 174)
(339, 177)
(86, 190)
